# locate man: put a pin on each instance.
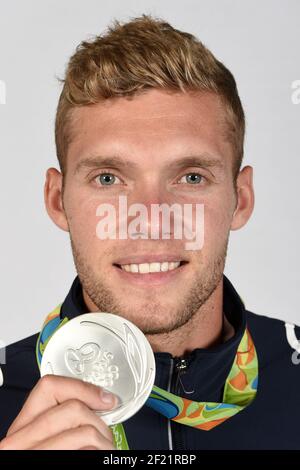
(148, 113)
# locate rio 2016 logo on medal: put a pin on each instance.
(92, 365)
(106, 350)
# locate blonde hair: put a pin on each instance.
(144, 53)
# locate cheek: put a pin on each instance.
(81, 209)
(82, 219)
(217, 220)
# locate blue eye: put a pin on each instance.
(106, 179)
(195, 178)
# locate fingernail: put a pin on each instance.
(107, 397)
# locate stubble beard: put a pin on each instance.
(153, 317)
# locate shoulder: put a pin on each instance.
(18, 363)
(276, 340)
(19, 373)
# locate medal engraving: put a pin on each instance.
(92, 365)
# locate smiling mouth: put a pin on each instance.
(151, 268)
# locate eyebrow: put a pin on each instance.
(203, 161)
(99, 161)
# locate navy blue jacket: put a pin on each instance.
(271, 421)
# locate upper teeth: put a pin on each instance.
(150, 267)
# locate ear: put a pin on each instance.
(53, 197)
(245, 198)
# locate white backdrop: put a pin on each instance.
(259, 40)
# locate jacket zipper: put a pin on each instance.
(178, 368)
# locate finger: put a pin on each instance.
(68, 415)
(89, 448)
(76, 439)
(52, 390)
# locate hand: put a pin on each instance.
(57, 415)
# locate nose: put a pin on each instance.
(151, 210)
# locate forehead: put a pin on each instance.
(155, 122)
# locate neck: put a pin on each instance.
(208, 327)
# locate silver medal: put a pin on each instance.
(106, 350)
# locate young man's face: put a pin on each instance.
(149, 133)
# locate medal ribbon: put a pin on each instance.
(239, 390)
